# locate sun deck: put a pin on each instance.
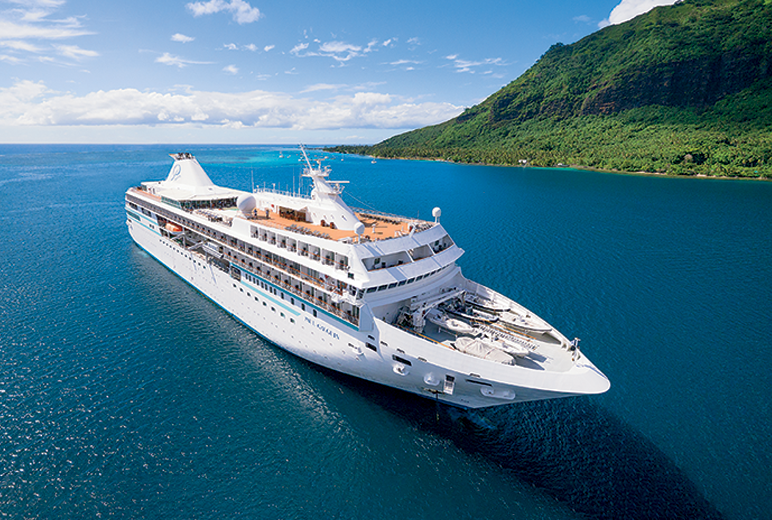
(378, 226)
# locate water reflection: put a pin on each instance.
(572, 449)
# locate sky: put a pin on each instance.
(268, 72)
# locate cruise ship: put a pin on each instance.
(373, 295)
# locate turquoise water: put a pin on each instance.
(125, 393)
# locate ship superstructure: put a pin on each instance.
(369, 294)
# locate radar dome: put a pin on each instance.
(359, 228)
(246, 203)
(436, 213)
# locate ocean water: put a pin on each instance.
(124, 393)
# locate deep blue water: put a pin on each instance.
(125, 393)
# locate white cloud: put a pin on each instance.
(469, 66)
(35, 10)
(629, 9)
(322, 86)
(10, 59)
(38, 3)
(582, 18)
(231, 46)
(338, 50)
(71, 28)
(170, 59)
(231, 69)
(251, 47)
(338, 47)
(405, 62)
(371, 45)
(20, 45)
(182, 38)
(29, 103)
(29, 22)
(242, 12)
(268, 47)
(74, 52)
(299, 47)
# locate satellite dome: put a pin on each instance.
(359, 228)
(246, 203)
(436, 213)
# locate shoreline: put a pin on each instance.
(576, 167)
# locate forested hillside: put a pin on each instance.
(684, 89)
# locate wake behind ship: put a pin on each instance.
(369, 294)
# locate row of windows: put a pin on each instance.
(275, 292)
(265, 304)
(404, 282)
(167, 244)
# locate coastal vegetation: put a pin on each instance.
(683, 89)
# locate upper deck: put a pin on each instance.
(377, 226)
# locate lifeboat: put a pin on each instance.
(484, 350)
(527, 322)
(485, 304)
(452, 324)
(174, 229)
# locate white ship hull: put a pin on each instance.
(325, 341)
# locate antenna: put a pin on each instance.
(308, 162)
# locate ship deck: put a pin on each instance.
(546, 353)
(377, 226)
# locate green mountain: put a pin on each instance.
(684, 89)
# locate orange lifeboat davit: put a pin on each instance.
(174, 229)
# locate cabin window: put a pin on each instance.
(371, 347)
(401, 360)
(372, 289)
